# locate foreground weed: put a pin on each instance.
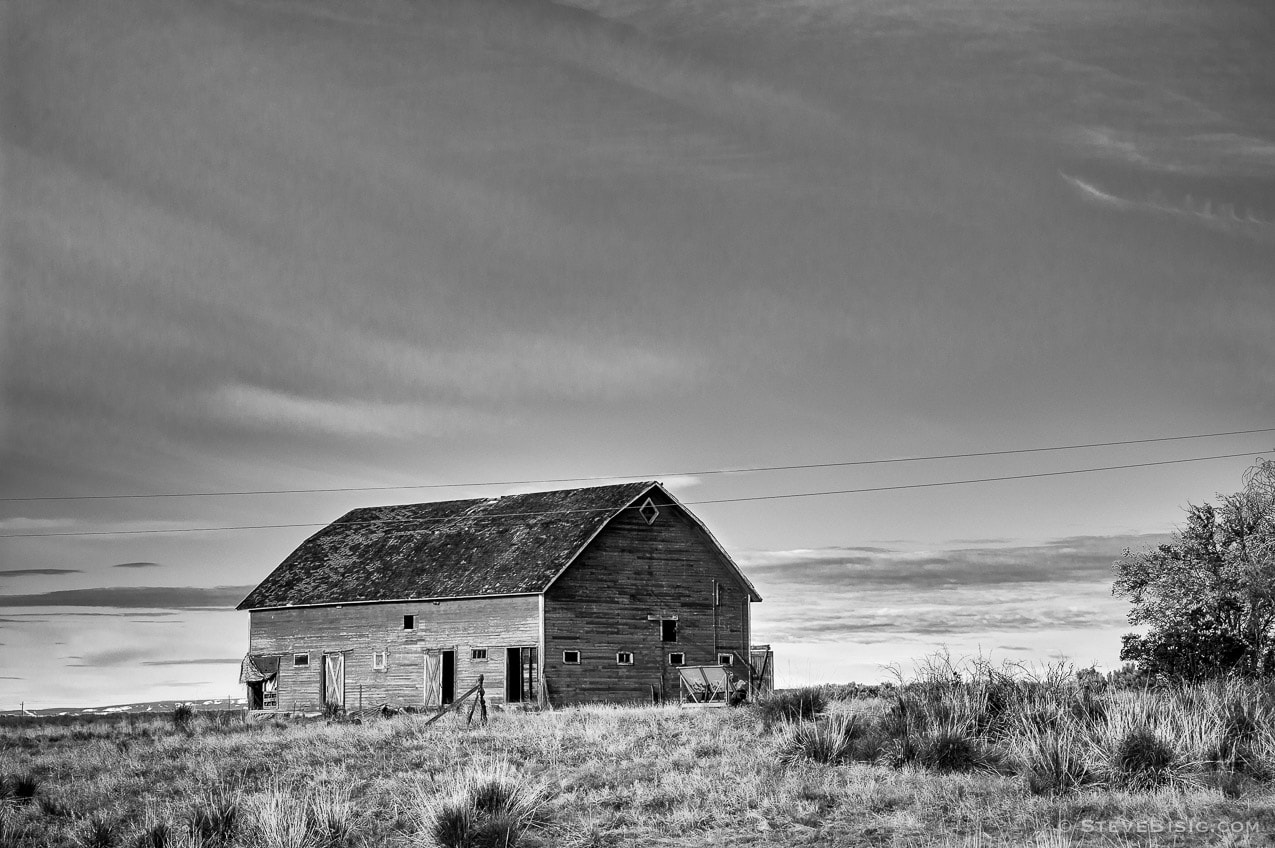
(829, 740)
(489, 807)
(99, 832)
(216, 820)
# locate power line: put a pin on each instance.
(743, 499)
(702, 473)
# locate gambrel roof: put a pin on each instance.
(517, 544)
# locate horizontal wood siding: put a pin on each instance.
(632, 570)
(358, 630)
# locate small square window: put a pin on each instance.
(300, 659)
(409, 622)
(668, 630)
(677, 659)
(624, 658)
(725, 659)
(571, 657)
(478, 654)
(380, 659)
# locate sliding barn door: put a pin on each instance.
(433, 678)
(334, 680)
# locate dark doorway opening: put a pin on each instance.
(449, 677)
(256, 695)
(520, 675)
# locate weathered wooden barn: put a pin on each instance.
(571, 596)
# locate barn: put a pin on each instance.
(581, 595)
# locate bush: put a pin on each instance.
(806, 703)
(183, 716)
(1143, 759)
(950, 749)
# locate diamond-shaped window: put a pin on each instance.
(649, 511)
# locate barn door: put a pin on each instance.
(520, 675)
(334, 680)
(433, 678)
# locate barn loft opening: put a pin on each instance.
(668, 630)
(649, 511)
(409, 622)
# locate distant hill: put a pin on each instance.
(149, 707)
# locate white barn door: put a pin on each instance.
(433, 678)
(334, 680)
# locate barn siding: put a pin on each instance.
(633, 570)
(359, 629)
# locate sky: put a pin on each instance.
(274, 245)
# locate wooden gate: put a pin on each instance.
(334, 680)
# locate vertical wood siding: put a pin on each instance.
(360, 629)
(600, 606)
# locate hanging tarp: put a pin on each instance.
(256, 668)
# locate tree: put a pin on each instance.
(1208, 598)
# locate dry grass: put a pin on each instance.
(996, 762)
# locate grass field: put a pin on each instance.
(988, 761)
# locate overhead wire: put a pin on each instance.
(593, 478)
(710, 501)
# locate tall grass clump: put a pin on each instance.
(98, 831)
(1053, 761)
(216, 820)
(489, 808)
(807, 703)
(830, 740)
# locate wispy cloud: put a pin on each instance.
(135, 597)
(137, 565)
(262, 408)
(28, 572)
(196, 661)
(871, 593)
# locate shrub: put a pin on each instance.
(792, 704)
(183, 716)
(1142, 758)
(950, 749)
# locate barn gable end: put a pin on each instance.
(655, 591)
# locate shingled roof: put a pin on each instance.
(512, 545)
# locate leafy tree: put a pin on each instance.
(1208, 598)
